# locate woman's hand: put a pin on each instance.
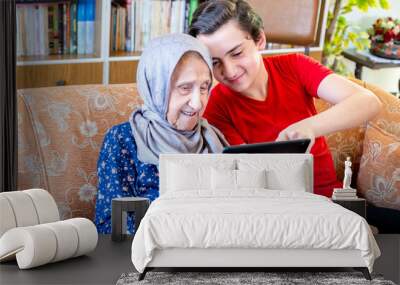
(299, 130)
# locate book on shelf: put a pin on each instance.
(134, 22)
(52, 29)
(35, 1)
(90, 26)
(81, 22)
(55, 27)
(73, 28)
(66, 27)
(344, 194)
(130, 20)
(344, 198)
(342, 190)
(60, 28)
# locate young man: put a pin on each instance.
(264, 99)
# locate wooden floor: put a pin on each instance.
(389, 262)
(110, 260)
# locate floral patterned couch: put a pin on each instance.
(61, 129)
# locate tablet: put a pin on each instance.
(293, 146)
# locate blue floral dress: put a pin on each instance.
(121, 174)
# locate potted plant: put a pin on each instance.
(385, 38)
(339, 34)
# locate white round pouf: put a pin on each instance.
(23, 208)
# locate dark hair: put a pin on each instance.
(211, 15)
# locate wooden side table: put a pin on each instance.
(119, 209)
(361, 59)
(357, 205)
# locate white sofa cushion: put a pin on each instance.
(45, 205)
(27, 208)
(40, 244)
(67, 240)
(87, 234)
(24, 211)
(7, 215)
(51, 240)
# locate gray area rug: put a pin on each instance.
(230, 278)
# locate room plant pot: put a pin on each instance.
(389, 50)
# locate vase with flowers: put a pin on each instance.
(385, 38)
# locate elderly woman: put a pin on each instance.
(173, 79)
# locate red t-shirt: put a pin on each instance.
(293, 81)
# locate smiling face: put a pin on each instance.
(236, 61)
(189, 90)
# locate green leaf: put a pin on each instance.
(363, 35)
(384, 4)
(346, 43)
(341, 21)
(352, 36)
(358, 45)
(348, 7)
(372, 3)
(365, 43)
(363, 5)
(351, 3)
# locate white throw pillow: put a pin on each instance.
(251, 178)
(291, 180)
(223, 179)
(226, 179)
(182, 177)
(285, 174)
(191, 173)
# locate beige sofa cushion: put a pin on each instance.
(350, 142)
(60, 131)
(379, 176)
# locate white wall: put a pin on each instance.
(388, 78)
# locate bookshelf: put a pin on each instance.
(104, 65)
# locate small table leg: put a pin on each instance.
(358, 71)
(117, 219)
(119, 212)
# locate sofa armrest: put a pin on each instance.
(343, 144)
(31, 168)
(350, 142)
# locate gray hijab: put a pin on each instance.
(152, 132)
